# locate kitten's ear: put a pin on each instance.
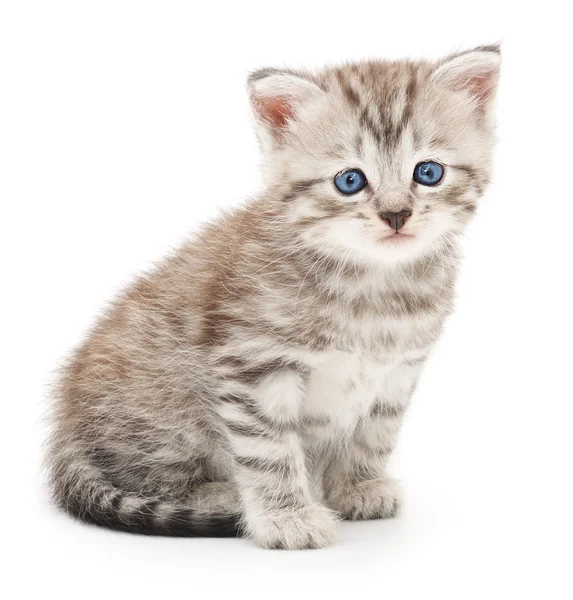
(475, 73)
(277, 98)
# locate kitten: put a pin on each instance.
(254, 383)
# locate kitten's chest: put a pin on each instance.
(344, 387)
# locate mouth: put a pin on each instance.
(397, 238)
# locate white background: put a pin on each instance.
(124, 124)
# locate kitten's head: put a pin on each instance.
(378, 159)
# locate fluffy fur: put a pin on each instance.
(255, 382)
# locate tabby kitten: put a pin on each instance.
(255, 381)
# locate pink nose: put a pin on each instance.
(396, 220)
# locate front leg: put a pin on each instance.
(260, 421)
(356, 483)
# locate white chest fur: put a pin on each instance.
(345, 386)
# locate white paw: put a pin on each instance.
(371, 499)
(313, 526)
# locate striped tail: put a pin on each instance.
(86, 495)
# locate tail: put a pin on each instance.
(83, 492)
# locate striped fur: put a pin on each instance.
(255, 381)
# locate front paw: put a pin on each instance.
(313, 526)
(371, 499)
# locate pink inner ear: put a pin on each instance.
(277, 111)
(480, 86)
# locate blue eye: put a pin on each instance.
(428, 173)
(350, 182)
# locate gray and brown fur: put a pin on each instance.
(255, 381)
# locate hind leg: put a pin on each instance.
(218, 497)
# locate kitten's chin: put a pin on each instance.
(400, 248)
(394, 248)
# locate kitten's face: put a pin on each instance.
(379, 161)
